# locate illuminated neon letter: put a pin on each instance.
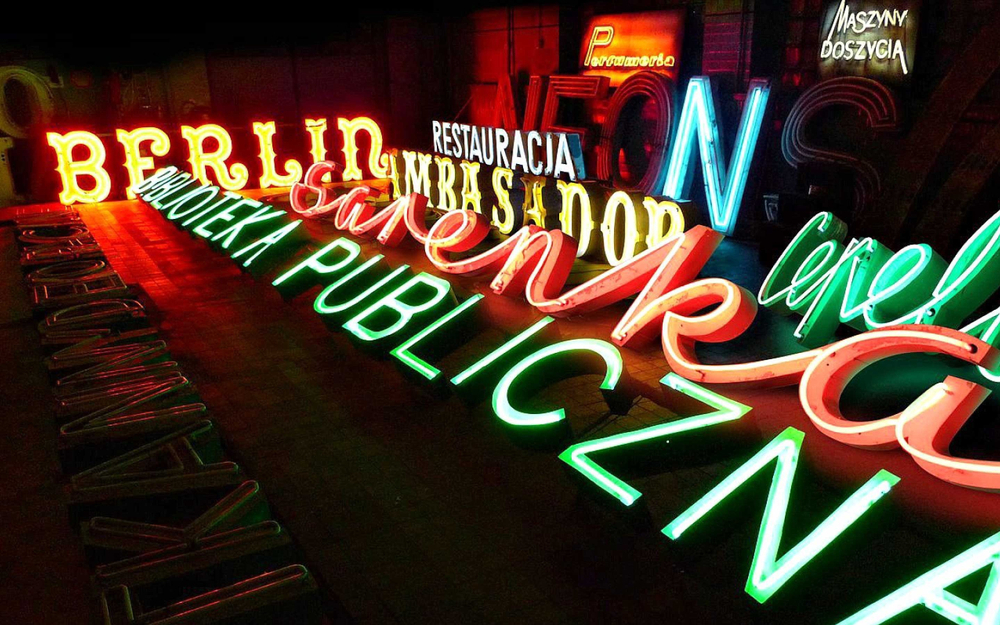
(231, 178)
(317, 142)
(501, 395)
(698, 126)
(404, 353)
(136, 164)
(291, 281)
(930, 590)
(768, 573)
(70, 170)
(830, 372)
(269, 176)
(378, 163)
(576, 456)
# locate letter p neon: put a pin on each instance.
(602, 37)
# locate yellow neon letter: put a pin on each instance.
(317, 142)
(70, 170)
(660, 212)
(269, 176)
(446, 184)
(584, 233)
(634, 223)
(231, 178)
(378, 162)
(136, 164)
(470, 187)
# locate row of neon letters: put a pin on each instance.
(768, 571)
(231, 176)
(538, 261)
(697, 130)
(865, 285)
(621, 230)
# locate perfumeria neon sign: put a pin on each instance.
(406, 313)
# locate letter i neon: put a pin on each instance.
(501, 351)
(415, 362)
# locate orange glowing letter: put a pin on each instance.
(734, 310)
(828, 375)
(928, 425)
(70, 170)
(269, 176)
(231, 178)
(136, 164)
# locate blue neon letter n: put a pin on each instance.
(698, 126)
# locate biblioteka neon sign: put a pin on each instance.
(407, 313)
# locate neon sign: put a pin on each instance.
(550, 153)
(768, 572)
(872, 38)
(405, 312)
(645, 221)
(618, 45)
(81, 157)
(867, 286)
(698, 126)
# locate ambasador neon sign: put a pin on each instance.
(409, 314)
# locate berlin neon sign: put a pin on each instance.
(81, 157)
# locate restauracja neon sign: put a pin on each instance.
(82, 156)
(383, 307)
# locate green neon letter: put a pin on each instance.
(266, 242)
(576, 456)
(324, 307)
(226, 197)
(318, 266)
(415, 362)
(259, 216)
(501, 395)
(402, 311)
(929, 590)
(499, 352)
(768, 573)
(226, 214)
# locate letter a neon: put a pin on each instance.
(768, 573)
(929, 590)
(698, 126)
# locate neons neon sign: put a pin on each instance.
(406, 314)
